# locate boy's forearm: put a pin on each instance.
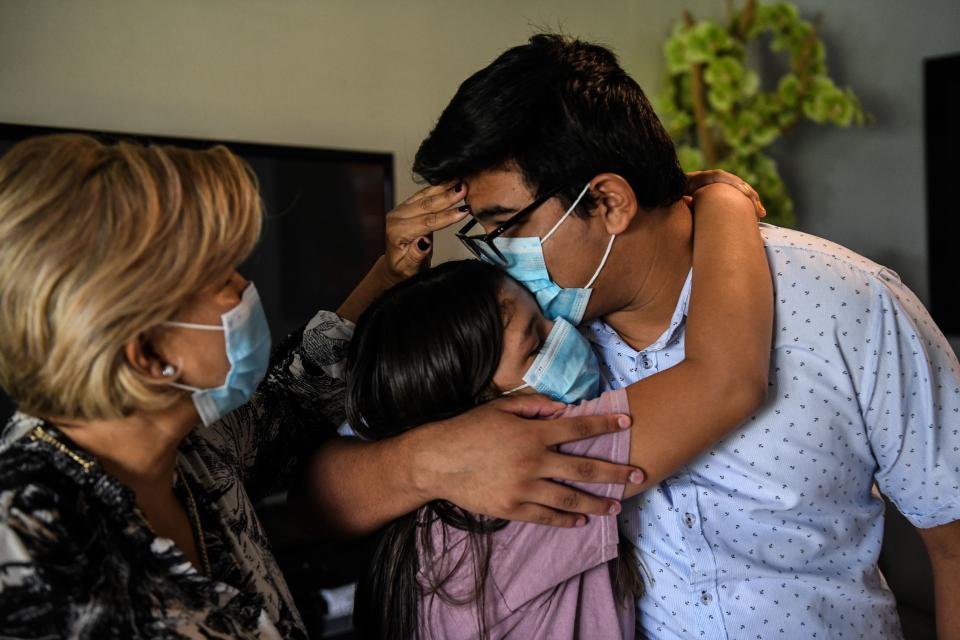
(943, 546)
(947, 597)
(497, 459)
(355, 487)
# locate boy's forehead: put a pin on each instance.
(489, 192)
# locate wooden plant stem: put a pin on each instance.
(802, 70)
(704, 137)
(746, 19)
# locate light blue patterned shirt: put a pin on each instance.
(775, 531)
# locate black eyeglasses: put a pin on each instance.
(481, 245)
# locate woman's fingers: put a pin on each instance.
(410, 261)
(426, 223)
(430, 190)
(410, 240)
(410, 227)
(441, 196)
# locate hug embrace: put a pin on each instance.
(637, 412)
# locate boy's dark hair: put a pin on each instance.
(561, 110)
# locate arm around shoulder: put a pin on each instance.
(723, 378)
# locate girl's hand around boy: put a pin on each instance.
(697, 180)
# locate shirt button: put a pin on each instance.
(705, 597)
(646, 362)
(690, 519)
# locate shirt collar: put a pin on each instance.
(605, 337)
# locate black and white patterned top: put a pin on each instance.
(78, 560)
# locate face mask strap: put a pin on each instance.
(566, 213)
(193, 325)
(171, 371)
(184, 387)
(523, 386)
(603, 261)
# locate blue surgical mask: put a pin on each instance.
(525, 262)
(247, 338)
(566, 369)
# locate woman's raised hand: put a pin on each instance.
(411, 224)
(410, 228)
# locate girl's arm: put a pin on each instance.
(680, 412)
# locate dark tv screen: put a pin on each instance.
(942, 125)
(324, 226)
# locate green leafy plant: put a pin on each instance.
(715, 109)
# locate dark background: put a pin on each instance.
(942, 131)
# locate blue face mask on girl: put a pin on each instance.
(566, 369)
(525, 262)
(247, 338)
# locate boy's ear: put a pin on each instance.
(616, 201)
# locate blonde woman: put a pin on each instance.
(133, 348)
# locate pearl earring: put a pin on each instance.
(168, 371)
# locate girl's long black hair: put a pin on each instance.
(425, 351)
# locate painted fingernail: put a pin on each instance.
(623, 422)
(464, 209)
(458, 188)
(637, 476)
(580, 522)
(614, 508)
(423, 244)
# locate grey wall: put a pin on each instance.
(865, 188)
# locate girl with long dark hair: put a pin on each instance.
(446, 340)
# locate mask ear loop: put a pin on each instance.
(171, 372)
(193, 325)
(523, 386)
(566, 214)
(603, 261)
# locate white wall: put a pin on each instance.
(375, 75)
(352, 74)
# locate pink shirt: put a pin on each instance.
(544, 582)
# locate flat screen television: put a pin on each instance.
(941, 80)
(324, 225)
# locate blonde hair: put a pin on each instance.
(99, 244)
